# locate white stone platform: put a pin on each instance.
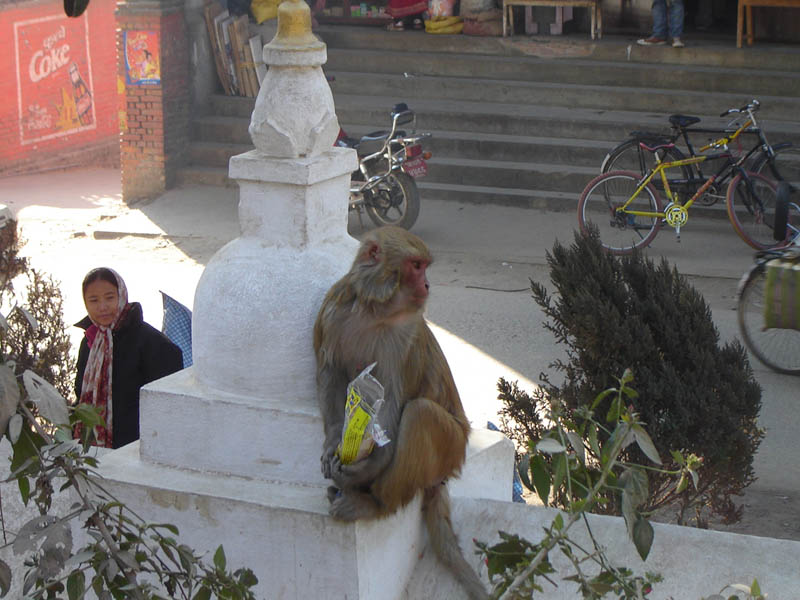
(272, 515)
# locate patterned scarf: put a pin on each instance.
(96, 384)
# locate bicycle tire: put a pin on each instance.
(618, 233)
(784, 167)
(778, 349)
(754, 224)
(784, 192)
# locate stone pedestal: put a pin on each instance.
(244, 473)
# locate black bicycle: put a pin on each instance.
(782, 161)
(768, 306)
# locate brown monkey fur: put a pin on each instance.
(374, 314)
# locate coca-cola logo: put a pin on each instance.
(53, 55)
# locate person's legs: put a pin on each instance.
(675, 19)
(659, 37)
(660, 18)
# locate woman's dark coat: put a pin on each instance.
(141, 354)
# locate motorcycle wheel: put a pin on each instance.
(394, 201)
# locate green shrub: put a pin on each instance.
(34, 335)
(694, 395)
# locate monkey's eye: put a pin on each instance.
(417, 264)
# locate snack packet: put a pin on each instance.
(361, 430)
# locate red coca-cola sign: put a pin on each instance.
(54, 77)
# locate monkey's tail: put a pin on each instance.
(436, 510)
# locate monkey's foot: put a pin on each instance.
(333, 493)
(349, 506)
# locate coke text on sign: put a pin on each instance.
(54, 76)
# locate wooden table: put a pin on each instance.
(747, 5)
(593, 6)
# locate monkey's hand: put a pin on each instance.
(363, 472)
(328, 455)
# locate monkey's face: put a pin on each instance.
(415, 281)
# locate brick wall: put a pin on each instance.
(154, 64)
(59, 87)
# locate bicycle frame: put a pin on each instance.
(675, 213)
(750, 126)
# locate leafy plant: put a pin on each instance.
(752, 591)
(573, 459)
(695, 395)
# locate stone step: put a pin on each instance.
(443, 144)
(222, 129)
(358, 111)
(536, 94)
(522, 121)
(704, 50)
(567, 122)
(698, 78)
(199, 175)
(215, 154)
(508, 174)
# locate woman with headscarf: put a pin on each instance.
(118, 355)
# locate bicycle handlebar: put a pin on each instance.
(751, 106)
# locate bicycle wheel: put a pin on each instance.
(619, 232)
(779, 349)
(785, 166)
(753, 216)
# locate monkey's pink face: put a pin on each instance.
(415, 280)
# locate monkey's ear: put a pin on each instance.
(372, 254)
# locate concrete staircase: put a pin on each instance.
(522, 121)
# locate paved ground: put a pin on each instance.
(75, 220)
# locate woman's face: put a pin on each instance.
(101, 299)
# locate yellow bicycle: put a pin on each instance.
(628, 211)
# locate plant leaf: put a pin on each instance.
(24, 489)
(47, 399)
(202, 594)
(14, 428)
(219, 559)
(577, 444)
(683, 483)
(29, 318)
(559, 469)
(599, 398)
(88, 415)
(645, 443)
(523, 467)
(76, 585)
(755, 589)
(541, 478)
(30, 533)
(5, 578)
(9, 396)
(643, 537)
(550, 446)
(593, 444)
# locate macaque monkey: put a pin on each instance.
(374, 314)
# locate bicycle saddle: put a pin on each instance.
(656, 146)
(683, 120)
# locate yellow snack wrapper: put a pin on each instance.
(361, 430)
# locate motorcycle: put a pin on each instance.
(388, 164)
